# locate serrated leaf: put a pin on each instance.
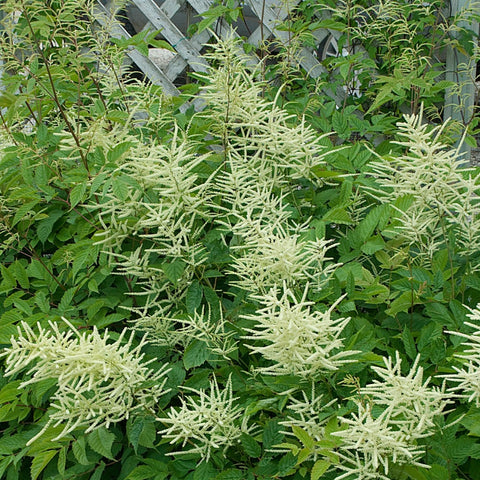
(142, 472)
(271, 434)
(10, 391)
(40, 461)
(373, 245)
(24, 210)
(79, 450)
(141, 431)
(134, 429)
(62, 460)
(45, 226)
(7, 332)
(401, 304)
(319, 468)
(251, 446)
(42, 301)
(174, 270)
(4, 463)
(120, 188)
(286, 463)
(303, 436)
(67, 299)
(230, 474)
(77, 194)
(195, 354)
(148, 434)
(194, 295)
(117, 152)
(101, 441)
(8, 279)
(204, 471)
(338, 215)
(409, 343)
(97, 475)
(340, 124)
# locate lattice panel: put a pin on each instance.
(267, 16)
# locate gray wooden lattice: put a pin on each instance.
(268, 16)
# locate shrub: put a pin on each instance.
(269, 313)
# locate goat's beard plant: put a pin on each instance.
(214, 239)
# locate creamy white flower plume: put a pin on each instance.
(467, 376)
(393, 414)
(410, 402)
(370, 444)
(209, 420)
(295, 338)
(431, 191)
(99, 382)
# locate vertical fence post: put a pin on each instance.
(459, 100)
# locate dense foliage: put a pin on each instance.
(273, 287)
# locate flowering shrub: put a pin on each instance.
(223, 294)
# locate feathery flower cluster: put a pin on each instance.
(255, 127)
(214, 333)
(468, 375)
(438, 194)
(209, 422)
(371, 443)
(408, 409)
(99, 382)
(159, 197)
(270, 256)
(296, 339)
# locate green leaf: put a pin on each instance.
(101, 441)
(10, 391)
(141, 431)
(67, 300)
(287, 463)
(303, 436)
(21, 275)
(4, 463)
(40, 461)
(117, 152)
(205, 471)
(401, 304)
(62, 460)
(42, 301)
(194, 295)
(340, 124)
(174, 270)
(8, 279)
(251, 446)
(77, 194)
(22, 211)
(373, 245)
(148, 434)
(45, 226)
(271, 434)
(98, 472)
(409, 343)
(471, 422)
(79, 450)
(195, 354)
(319, 468)
(338, 215)
(7, 332)
(230, 474)
(120, 188)
(142, 472)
